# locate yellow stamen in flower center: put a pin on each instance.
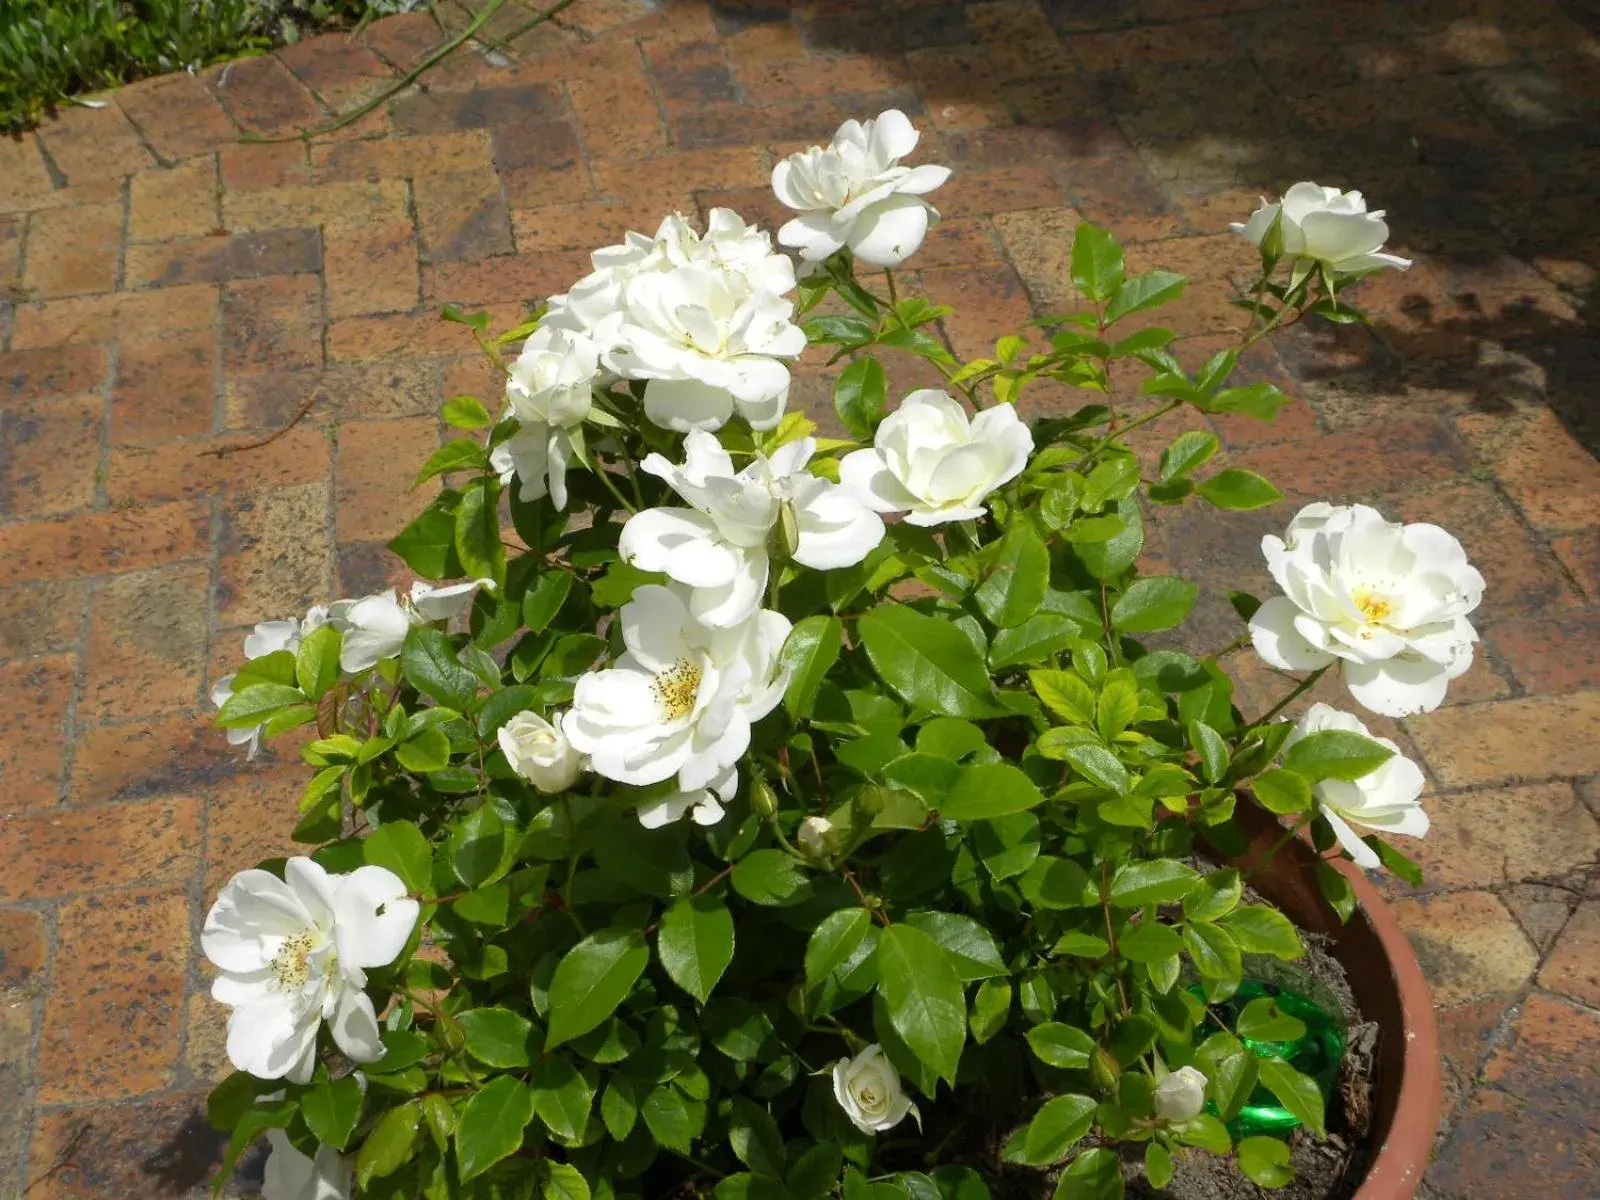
(867, 1097)
(676, 689)
(291, 966)
(1375, 608)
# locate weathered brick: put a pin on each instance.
(180, 202)
(146, 647)
(264, 97)
(1002, 190)
(1550, 653)
(388, 387)
(272, 324)
(373, 498)
(248, 166)
(1468, 945)
(1532, 737)
(164, 388)
(529, 278)
(540, 162)
(1479, 838)
(1580, 555)
(477, 108)
(617, 113)
(47, 456)
(800, 121)
(1542, 467)
(164, 756)
(180, 470)
(356, 204)
(683, 172)
(274, 556)
(94, 543)
(176, 114)
(376, 339)
(1573, 968)
(23, 169)
(594, 223)
(74, 251)
(371, 269)
(219, 259)
(89, 144)
(121, 1149)
(990, 302)
(402, 157)
(113, 1023)
(1039, 243)
(462, 215)
(27, 375)
(960, 87)
(1019, 39)
(22, 948)
(36, 617)
(1525, 1151)
(131, 315)
(342, 72)
(37, 693)
(67, 852)
(690, 76)
(1359, 465)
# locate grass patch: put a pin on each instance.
(53, 49)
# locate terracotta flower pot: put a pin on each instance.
(1389, 987)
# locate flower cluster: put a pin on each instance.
(942, 801)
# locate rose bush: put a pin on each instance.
(724, 785)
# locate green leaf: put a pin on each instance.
(1238, 490)
(1096, 262)
(1217, 895)
(562, 1097)
(400, 847)
(859, 395)
(1059, 1125)
(491, 1125)
(389, 1144)
(968, 945)
(1215, 953)
(1144, 291)
(1055, 883)
(1061, 1045)
(462, 454)
(1107, 560)
(1262, 1020)
(428, 544)
(1016, 584)
(1099, 766)
(619, 1108)
(465, 412)
(1035, 640)
(478, 544)
(426, 750)
(1094, 1175)
(316, 663)
(563, 1181)
(1336, 890)
(1264, 1161)
(1066, 694)
(1154, 881)
(331, 1109)
(809, 652)
(1231, 1071)
(1335, 754)
(1394, 861)
(592, 979)
(1149, 942)
(695, 943)
(1282, 791)
(1153, 603)
(671, 1118)
(1206, 1132)
(542, 601)
(983, 791)
(991, 1005)
(928, 662)
(1158, 1165)
(770, 877)
(251, 706)
(1007, 846)
(1261, 930)
(430, 665)
(1211, 748)
(833, 942)
(923, 995)
(478, 845)
(1187, 451)
(1259, 400)
(754, 1137)
(496, 1037)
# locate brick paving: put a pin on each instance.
(171, 290)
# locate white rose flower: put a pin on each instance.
(539, 752)
(292, 953)
(929, 461)
(868, 1088)
(430, 603)
(704, 806)
(707, 344)
(1181, 1095)
(855, 193)
(550, 393)
(1327, 225)
(374, 629)
(681, 700)
(268, 637)
(290, 1175)
(1384, 800)
(816, 837)
(1390, 600)
(718, 547)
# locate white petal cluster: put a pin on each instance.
(1389, 601)
(718, 547)
(1385, 800)
(679, 703)
(1181, 1095)
(290, 1175)
(268, 637)
(1326, 225)
(855, 193)
(868, 1088)
(550, 392)
(293, 953)
(701, 318)
(537, 750)
(933, 463)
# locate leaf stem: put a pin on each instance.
(1301, 688)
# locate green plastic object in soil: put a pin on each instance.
(1317, 1052)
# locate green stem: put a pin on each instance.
(1304, 686)
(605, 478)
(1156, 415)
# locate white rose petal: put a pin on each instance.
(855, 193)
(444, 603)
(374, 627)
(816, 837)
(718, 548)
(290, 1175)
(868, 1088)
(551, 393)
(931, 462)
(1388, 601)
(1327, 225)
(537, 750)
(679, 702)
(1384, 801)
(292, 952)
(1180, 1096)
